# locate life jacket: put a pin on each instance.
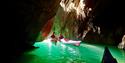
(61, 36)
(52, 36)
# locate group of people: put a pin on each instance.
(63, 40)
(55, 38)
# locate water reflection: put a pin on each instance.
(67, 53)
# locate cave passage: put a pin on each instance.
(92, 22)
(74, 25)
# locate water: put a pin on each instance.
(48, 52)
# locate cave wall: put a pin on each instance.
(27, 17)
(109, 15)
(64, 23)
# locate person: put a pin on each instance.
(54, 38)
(53, 35)
(60, 37)
(68, 41)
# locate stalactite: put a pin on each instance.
(78, 17)
(122, 43)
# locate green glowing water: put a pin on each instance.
(66, 53)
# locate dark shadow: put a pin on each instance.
(107, 57)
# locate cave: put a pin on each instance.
(98, 26)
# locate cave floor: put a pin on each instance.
(67, 53)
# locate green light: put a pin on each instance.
(66, 53)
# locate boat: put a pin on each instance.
(73, 42)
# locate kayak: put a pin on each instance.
(73, 42)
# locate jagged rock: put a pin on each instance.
(27, 19)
